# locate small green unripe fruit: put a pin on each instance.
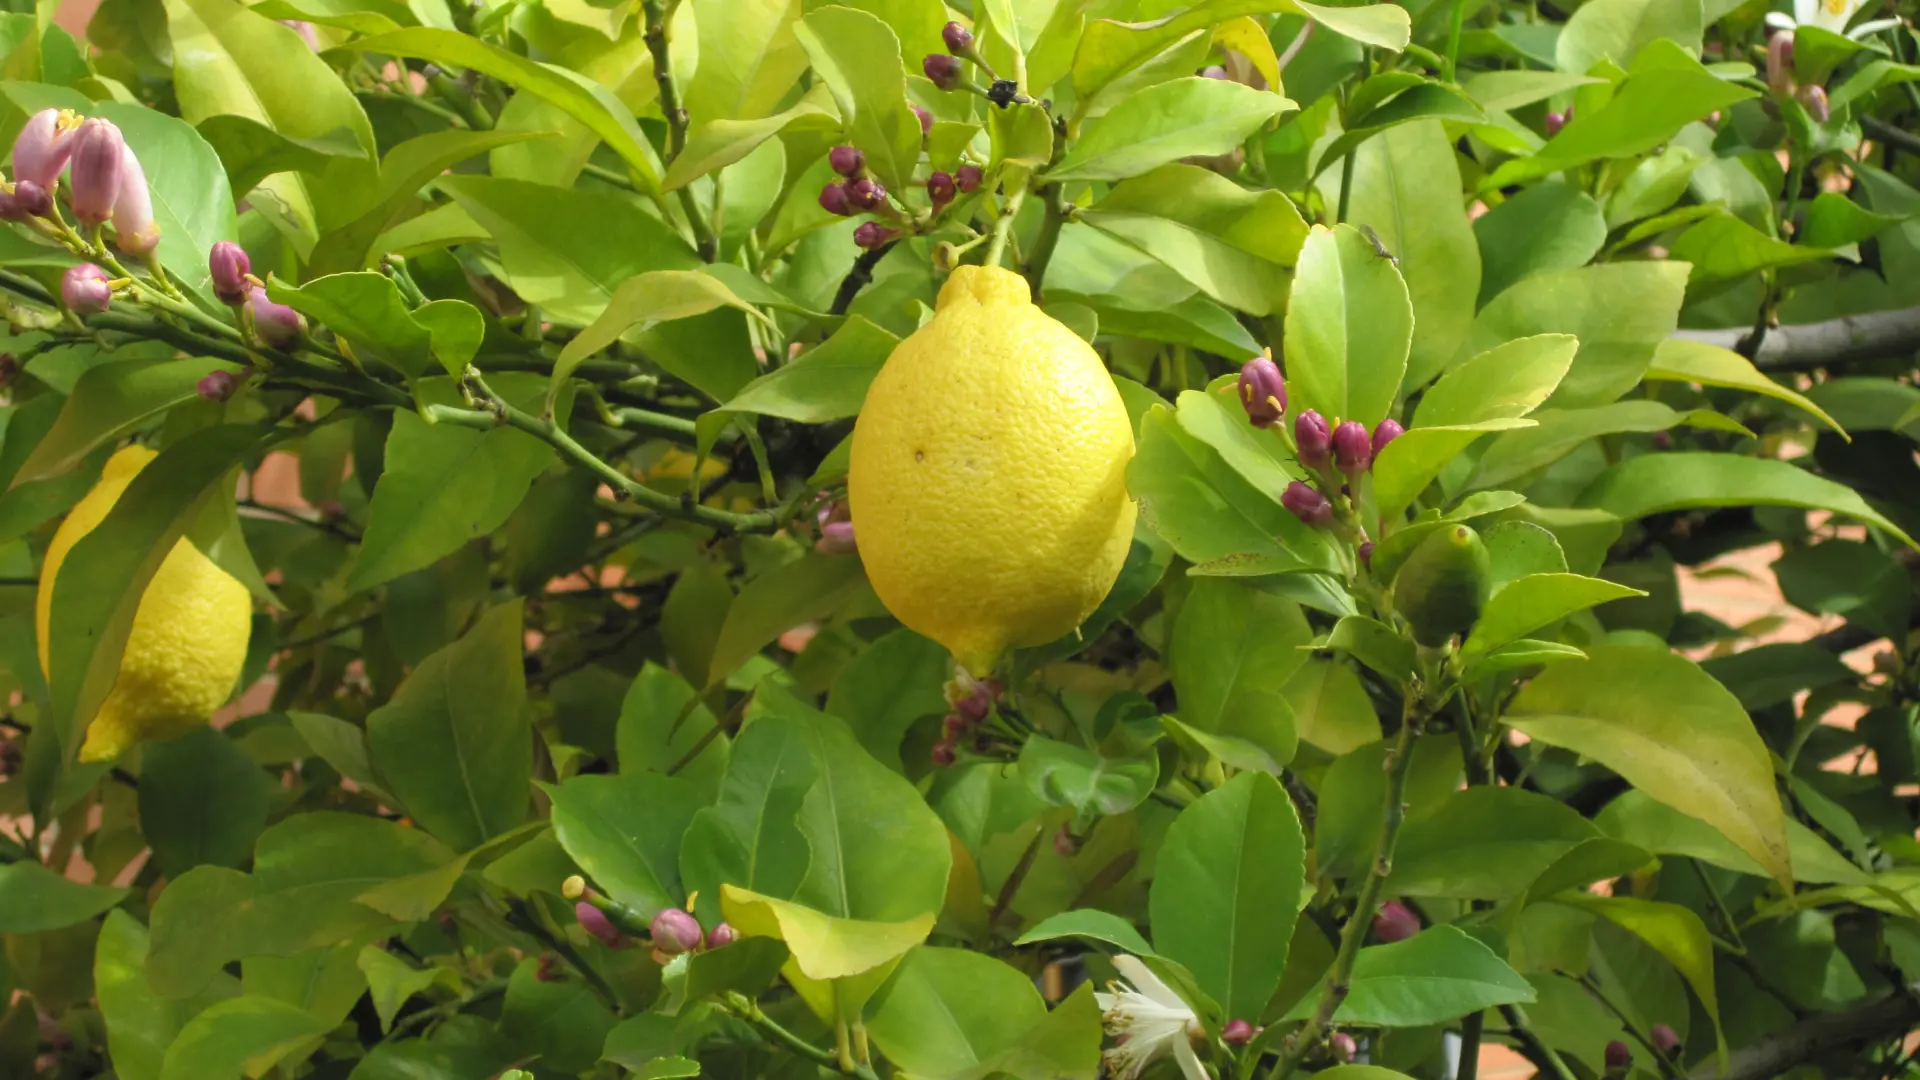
(1442, 586)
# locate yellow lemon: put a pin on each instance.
(189, 636)
(988, 483)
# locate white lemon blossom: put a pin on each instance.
(1147, 1021)
(1828, 15)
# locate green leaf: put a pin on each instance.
(1228, 885)
(1621, 312)
(751, 835)
(1833, 220)
(1658, 483)
(218, 1043)
(884, 690)
(749, 59)
(1854, 580)
(805, 590)
(858, 57)
(1486, 843)
(1166, 122)
(1348, 328)
(1407, 98)
(454, 741)
(109, 400)
(625, 832)
(1354, 789)
(1384, 26)
(1241, 279)
(579, 97)
(1411, 462)
(823, 946)
(716, 144)
(140, 1023)
(661, 723)
(1723, 248)
(827, 382)
(1234, 649)
(1090, 925)
(563, 1021)
(106, 573)
(1674, 932)
(1637, 819)
(250, 151)
(1670, 730)
(1216, 418)
(1680, 360)
(946, 1012)
(1437, 975)
(367, 309)
(1505, 382)
(341, 745)
(1545, 227)
(1331, 709)
(1528, 603)
(202, 801)
(34, 899)
(1619, 29)
(649, 299)
(748, 966)
(391, 981)
(1515, 455)
(1508, 90)
(1191, 498)
(445, 485)
(1061, 774)
(1869, 77)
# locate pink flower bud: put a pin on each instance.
(970, 697)
(833, 199)
(1306, 503)
(98, 170)
(925, 118)
(1395, 922)
(28, 200)
(1385, 432)
(1554, 122)
(1352, 450)
(42, 148)
(959, 39)
(85, 291)
(848, 161)
(595, 922)
(674, 932)
(1214, 72)
(1814, 99)
(945, 753)
(1312, 439)
(134, 229)
(1263, 392)
(872, 236)
(229, 266)
(968, 177)
(941, 189)
(942, 70)
(1237, 1033)
(721, 936)
(1665, 1040)
(865, 193)
(1065, 844)
(1780, 63)
(277, 324)
(1619, 1058)
(1342, 1046)
(836, 537)
(217, 385)
(306, 31)
(1366, 553)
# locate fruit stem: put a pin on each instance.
(997, 247)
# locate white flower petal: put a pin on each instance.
(1189, 1061)
(1871, 27)
(1833, 14)
(1805, 10)
(1780, 20)
(1145, 981)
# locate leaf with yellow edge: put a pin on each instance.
(1680, 360)
(823, 946)
(1249, 39)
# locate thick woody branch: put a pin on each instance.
(1849, 1030)
(1876, 335)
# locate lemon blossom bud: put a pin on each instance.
(872, 236)
(833, 199)
(945, 753)
(1665, 1040)
(134, 229)
(1306, 503)
(306, 31)
(595, 922)
(1237, 1033)
(721, 936)
(959, 39)
(28, 200)
(1555, 121)
(98, 168)
(940, 189)
(674, 932)
(1619, 1058)
(1343, 1047)
(968, 177)
(277, 324)
(1312, 439)
(836, 537)
(42, 148)
(1385, 432)
(1365, 552)
(229, 266)
(1263, 392)
(848, 161)
(1780, 63)
(574, 887)
(941, 70)
(1214, 72)
(1352, 450)
(217, 385)
(1395, 922)
(1814, 100)
(85, 291)
(925, 118)
(865, 193)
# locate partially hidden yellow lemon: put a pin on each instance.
(988, 482)
(189, 636)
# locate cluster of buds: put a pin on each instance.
(1321, 447)
(105, 182)
(944, 71)
(836, 530)
(671, 932)
(858, 193)
(969, 701)
(1784, 84)
(231, 272)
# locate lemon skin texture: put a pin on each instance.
(988, 481)
(189, 636)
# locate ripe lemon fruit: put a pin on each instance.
(189, 636)
(988, 482)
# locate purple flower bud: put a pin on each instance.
(721, 936)
(941, 189)
(945, 753)
(968, 178)
(1661, 440)
(85, 291)
(99, 166)
(306, 31)
(1237, 1033)
(217, 385)
(1385, 432)
(1065, 844)
(953, 725)
(1312, 439)
(1780, 63)
(1619, 1058)
(277, 324)
(28, 200)
(872, 236)
(595, 922)
(865, 193)
(925, 118)
(1214, 72)
(1352, 451)
(674, 932)
(959, 39)
(1395, 922)
(134, 229)
(1813, 98)
(836, 537)
(1366, 553)
(229, 266)
(42, 148)
(971, 698)
(1306, 503)
(833, 199)
(1342, 1046)
(942, 70)
(848, 161)
(1665, 1040)
(1263, 392)
(1555, 121)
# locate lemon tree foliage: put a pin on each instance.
(954, 539)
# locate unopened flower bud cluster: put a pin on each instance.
(1334, 455)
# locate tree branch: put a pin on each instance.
(858, 278)
(1797, 347)
(1807, 1040)
(1892, 136)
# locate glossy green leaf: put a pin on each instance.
(1166, 122)
(368, 310)
(1637, 818)
(108, 400)
(1353, 791)
(1207, 511)
(1411, 462)
(1528, 603)
(823, 946)
(140, 1023)
(1349, 327)
(1485, 843)
(1618, 29)
(625, 832)
(1545, 227)
(1234, 649)
(1089, 924)
(34, 899)
(1331, 709)
(1506, 381)
(775, 602)
(748, 966)
(563, 1020)
(661, 723)
(858, 57)
(1673, 931)
(1515, 455)
(391, 981)
(1657, 483)
(751, 836)
(250, 151)
(1724, 248)
(648, 299)
(218, 1043)
(202, 801)
(1062, 774)
(1437, 975)
(1853, 580)
(947, 1012)
(1680, 360)
(828, 382)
